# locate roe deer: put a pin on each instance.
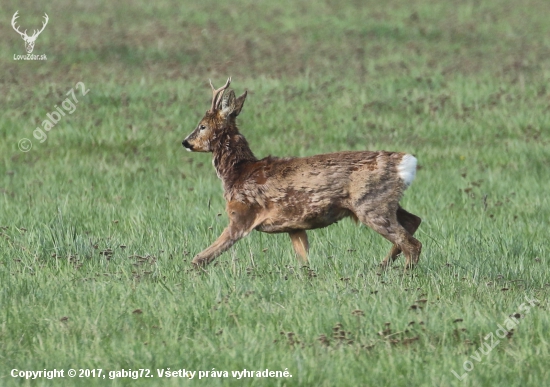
(292, 195)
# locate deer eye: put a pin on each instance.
(202, 127)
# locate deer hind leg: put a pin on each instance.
(300, 244)
(385, 222)
(410, 222)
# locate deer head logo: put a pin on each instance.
(29, 40)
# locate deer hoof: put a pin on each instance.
(199, 262)
(410, 265)
(384, 265)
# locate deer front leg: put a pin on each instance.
(300, 244)
(241, 222)
(224, 242)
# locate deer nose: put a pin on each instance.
(186, 145)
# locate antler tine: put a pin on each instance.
(44, 23)
(35, 32)
(13, 20)
(216, 93)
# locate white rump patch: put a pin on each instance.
(407, 169)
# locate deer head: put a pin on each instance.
(218, 120)
(29, 40)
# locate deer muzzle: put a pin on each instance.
(188, 147)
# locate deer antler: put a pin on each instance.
(13, 19)
(44, 23)
(24, 34)
(217, 93)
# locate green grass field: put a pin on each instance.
(99, 222)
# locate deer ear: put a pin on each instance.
(228, 103)
(239, 104)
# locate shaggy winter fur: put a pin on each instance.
(291, 195)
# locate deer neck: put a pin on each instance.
(229, 152)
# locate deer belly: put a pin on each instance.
(289, 219)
